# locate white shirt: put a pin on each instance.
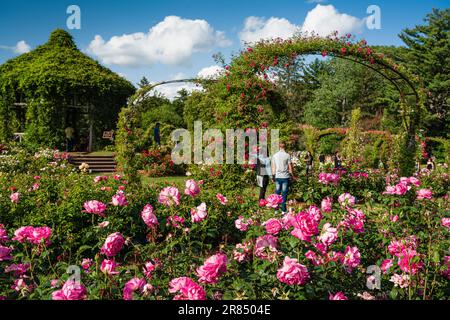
(281, 161)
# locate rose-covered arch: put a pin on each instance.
(249, 76)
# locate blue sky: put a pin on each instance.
(186, 33)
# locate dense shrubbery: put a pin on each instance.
(141, 242)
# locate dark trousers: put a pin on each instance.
(262, 190)
(282, 188)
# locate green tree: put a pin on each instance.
(429, 57)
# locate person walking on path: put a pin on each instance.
(282, 172)
(263, 174)
(70, 137)
(157, 134)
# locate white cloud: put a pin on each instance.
(211, 72)
(20, 48)
(172, 41)
(257, 28)
(171, 90)
(324, 20)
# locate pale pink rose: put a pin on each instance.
(346, 199)
(386, 265)
(242, 224)
(86, 264)
(414, 181)
(192, 188)
(199, 213)
(15, 197)
(71, 290)
(103, 225)
(35, 187)
(273, 226)
(149, 217)
(113, 244)
(212, 269)
(222, 199)
(445, 222)
(394, 219)
(266, 247)
(131, 287)
(366, 296)
(401, 281)
(54, 283)
(327, 205)
(147, 289)
(424, 194)
(305, 226)
(188, 289)
(169, 196)
(351, 258)
(97, 179)
(329, 234)
(5, 253)
(109, 267)
(337, 296)
(292, 272)
(21, 286)
(273, 201)
(148, 269)
(396, 247)
(119, 199)
(242, 252)
(95, 207)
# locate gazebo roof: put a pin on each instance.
(59, 68)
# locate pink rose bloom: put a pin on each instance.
(188, 289)
(327, 205)
(262, 203)
(329, 234)
(266, 247)
(396, 247)
(222, 199)
(109, 267)
(95, 207)
(414, 181)
(15, 197)
(40, 234)
(97, 179)
(119, 200)
(327, 178)
(199, 213)
(3, 234)
(86, 264)
(113, 244)
(71, 290)
(22, 234)
(18, 269)
(315, 260)
(314, 212)
(273, 226)
(169, 196)
(346, 199)
(445, 222)
(103, 224)
(192, 188)
(394, 219)
(132, 286)
(355, 220)
(292, 272)
(21, 286)
(337, 296)
(54, 283)
(212, 269)
(117, 177)
(424, 194)
(406, 264)
(149, 217)
(351, 258)
(37, 177)
(305, 226)
(242, 252)
(386, 265)
(273, 201)
(5, 253)
(148, 269)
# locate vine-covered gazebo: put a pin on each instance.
(54, 87)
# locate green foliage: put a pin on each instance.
(48, 78)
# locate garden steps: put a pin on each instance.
(97, 163)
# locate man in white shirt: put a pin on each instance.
(282, 171)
